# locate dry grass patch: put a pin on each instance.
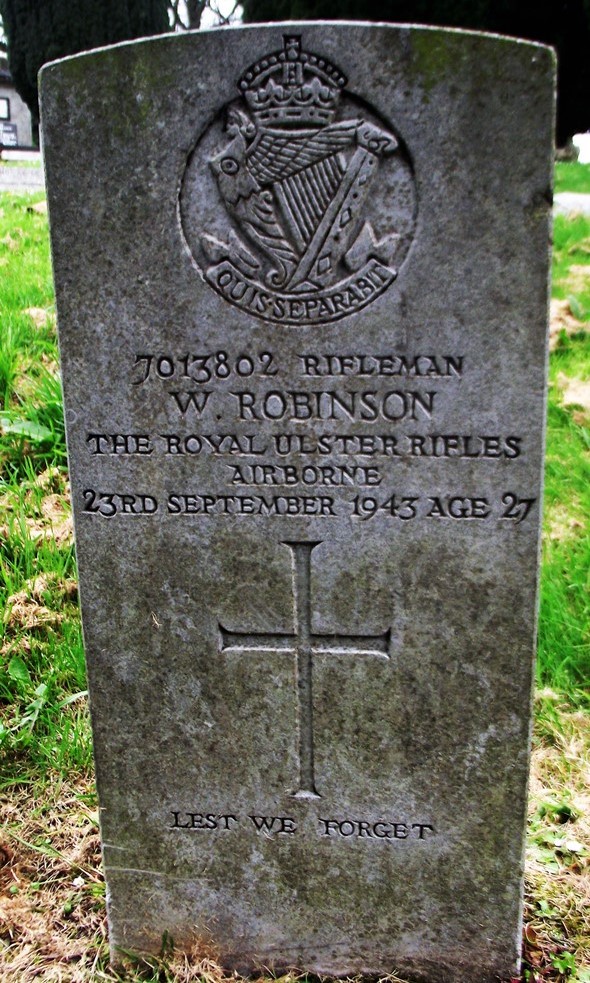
(561, 525)
(557, 903)
(565, 521)
(41, 316)
(12, 240)
(39, 207)
(26, 609)
(575, 392)
(45, 507)
(562, 322)
(51, 902)
(578, 277)
(25, 386)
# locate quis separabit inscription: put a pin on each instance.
(381, 829)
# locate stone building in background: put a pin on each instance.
(15, 118)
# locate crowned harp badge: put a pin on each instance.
(295, 174)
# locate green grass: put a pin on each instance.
(45, 745)
(41, 656)
(564, 624)
(571, 254)
(572, 176)
(20, 163)
(31, 413)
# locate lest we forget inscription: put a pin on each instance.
(301, 279)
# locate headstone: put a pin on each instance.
(302, 288)
(8, 135)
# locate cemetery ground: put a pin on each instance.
(52, 906)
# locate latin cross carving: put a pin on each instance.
(304, 644)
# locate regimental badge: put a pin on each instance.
(298, 204)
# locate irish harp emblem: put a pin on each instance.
(314, 194)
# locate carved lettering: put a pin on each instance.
(457, 507)
(274, 824)
(398, 445)
(397, 506)
(376, 830)
(418, 366)
(393, 405)
(196, 400)
(119, 443)
(311, 445)
(203, 368)
(365, 507)
(516, 508)
(218, 444)
(108, 505)
(380, 830)
(289, 474)
(202, 821)
(287, 505)
(355, 292)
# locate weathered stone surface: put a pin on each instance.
(304, 380)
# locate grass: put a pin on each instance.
(564, 625)
(42, 657)
(20, 163)
(571, 279)
(572, 176)
(51, 888)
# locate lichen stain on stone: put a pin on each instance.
(434, 57)
(150, 74)
(348, 604)
(146, 70)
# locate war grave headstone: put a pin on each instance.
(301, 282)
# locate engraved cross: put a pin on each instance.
(304, 644)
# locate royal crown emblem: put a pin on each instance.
(292, 88)
(313, 205)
